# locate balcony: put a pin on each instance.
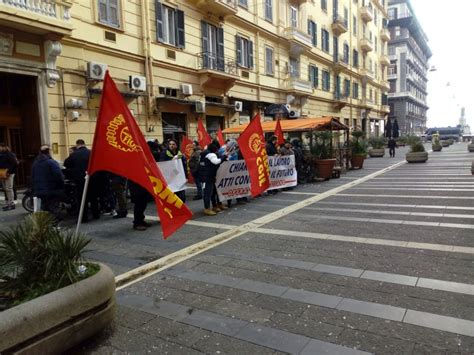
(366, 45)
(385, 34)
(384, 60)
(220, 8)
(298, 86)
(339, 25)
(41, 17)
(385, 85)
(366, 14)
(366, 75)
(340, 64)
(299, 41)
(368, 104)
(340, 101)
(217, 71)
(385, 108)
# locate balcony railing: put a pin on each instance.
(366, 13)
(294, 84)
(366, 44)
(299, 40)
(43, 7)
(211, 61)
(218, 7)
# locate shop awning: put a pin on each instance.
(298, 125)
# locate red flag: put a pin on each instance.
(220, 137)
(252, 145)
(119, 147)
(279, 133)
(187, 147)
(203, 137)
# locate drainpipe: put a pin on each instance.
(148, 61)
(66, 122)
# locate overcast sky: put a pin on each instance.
(450, 30)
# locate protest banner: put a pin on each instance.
(173, 172)
(233, 179)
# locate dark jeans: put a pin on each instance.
(91, 199)
(391, 151)
(139, 211)
(119, 192)
(198, 182)
(209, 195)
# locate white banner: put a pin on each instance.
(233, 180)
(173, 172)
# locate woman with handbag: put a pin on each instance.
(8, 166)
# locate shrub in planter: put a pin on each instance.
(470, 147)
(378, 146)
(435, 143)
(321, 153)
(37, 258)
(417, 153)
(359, 149)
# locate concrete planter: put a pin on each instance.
(376, 152)
(470, 147)
(437, 147)
(472, 168)
(417, 157)
(61, 319)
(357, 161)
(445, 143)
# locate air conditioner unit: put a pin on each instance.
(200, 106)
(136, 82)
(238, 105)
(294, 114)
(287, 107)
(96, 71)
(186, 89)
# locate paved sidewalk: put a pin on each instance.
(384, 266)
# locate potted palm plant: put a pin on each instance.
(51, 299)
(435, 143)
(378, 147)
(359, 149)
(417, 153)
(470, 147)
(321, 152)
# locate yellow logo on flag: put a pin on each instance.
(118, 136)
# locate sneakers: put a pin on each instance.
(209, 212)
(221, 206)
(216, 209)
(8, 207)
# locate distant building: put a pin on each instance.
(407, 73)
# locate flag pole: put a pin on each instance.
(83, 204)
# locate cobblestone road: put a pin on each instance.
(379, 265)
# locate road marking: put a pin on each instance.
(411, 196)
(149, 269)
(409, 189)
(397, 205)
(415, 281)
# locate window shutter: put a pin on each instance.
(238, 50)
(159, 21)
(103, 11)
(310, 73)
(220, 49)
(114, 13)
(316, 74)
(250, 59)
(180, 39)
(205, 45)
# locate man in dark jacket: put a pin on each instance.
(207, 170)
(271, 146)
(392, 144)
(8, 167)
(47, 180)
(77, 164)
(172, 153)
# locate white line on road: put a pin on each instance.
(166, 262)
(411, 196)
(437, 207)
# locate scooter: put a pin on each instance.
(67, 203)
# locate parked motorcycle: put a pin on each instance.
(68, 203)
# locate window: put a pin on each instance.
(269, 10)
(293, 17)
(355, 91)
(212, 46)
(347, 88)
(244, 52)
(169, 25)
(243, 3)
(354, 122)
(312, 31)
(268, 61)
(354, 25)
(326, 80)
(109, 12)
(346, 53)
(355, 58)
(325, 40)
(324, 5)
(375, 43)
(313, 75)
(294, 68)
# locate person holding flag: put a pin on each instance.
(119, 147)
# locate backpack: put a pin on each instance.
(194, 162)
